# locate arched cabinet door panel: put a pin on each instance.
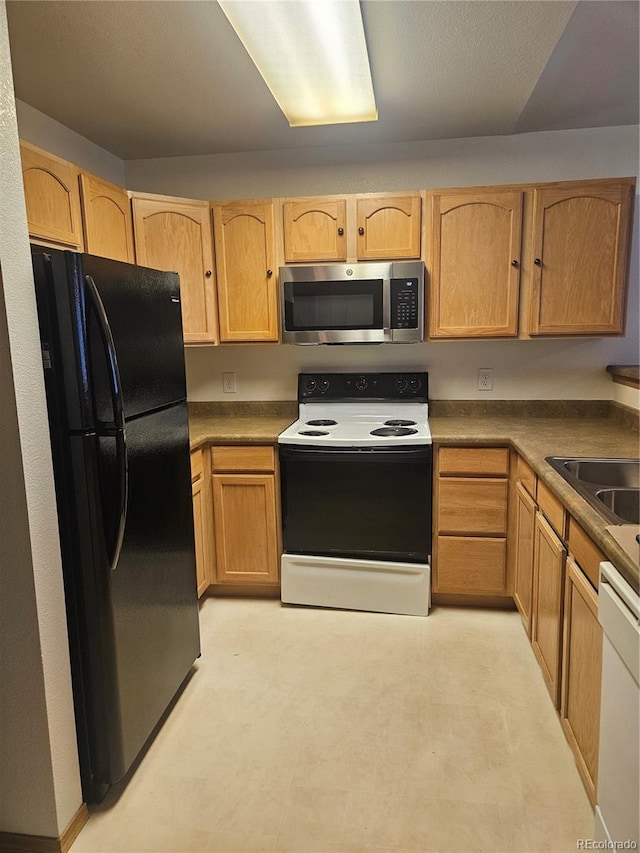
(106, 215)
(175, 234)
(246, 270)
(388, 227)
(314, 230)
(475, 264)
(52, 197)
(581, 237)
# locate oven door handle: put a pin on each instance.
(350, 454)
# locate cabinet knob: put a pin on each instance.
(269, 273)
(208, 273)
(538, 262)
(514, 263)
(361, 230)
(341, 231)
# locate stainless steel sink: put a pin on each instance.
(621, 473)
(611, 486)
(625, 503)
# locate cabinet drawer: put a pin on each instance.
(471, 565)
(474, 461)
(526, 476)
(197, 465)
(243, 459)
(587, 554)
(472, 506)
(551, 508)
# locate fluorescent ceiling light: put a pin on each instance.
(312, 55)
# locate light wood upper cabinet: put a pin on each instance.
(352, 228)
(106, 216)
(245, 264)
(474, 261)
(52, 197)
(314, 230)
(388, 227)
(175, 235)
(548, 582)
(581, 235)
(581, 674)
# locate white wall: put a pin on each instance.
(47, 133)
(522, 369)
(39, 777)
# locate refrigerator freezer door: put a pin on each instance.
(142, 307)
(152, 592)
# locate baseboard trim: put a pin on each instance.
(13, 842)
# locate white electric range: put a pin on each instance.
(356, 477)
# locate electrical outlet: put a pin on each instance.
(229, 383)
(485, 379)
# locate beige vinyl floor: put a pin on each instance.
(304, 729)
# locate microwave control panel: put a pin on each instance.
(404, 303)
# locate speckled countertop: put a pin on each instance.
(591, 431)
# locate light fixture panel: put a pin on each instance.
(312, 54)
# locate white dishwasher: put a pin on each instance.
(618, 807)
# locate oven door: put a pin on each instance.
(336, 311)
(370, 503)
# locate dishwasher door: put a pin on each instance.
(617, 812)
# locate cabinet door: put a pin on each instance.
(175, 235)
(475, 264)
(52, 196)
(471, 565)
(473, 505)
(546, 631)
(523, 586)
(581, 674)
(200, 523)
(388, 228)
(314, 230)
(581, 237)
(245, 516)
(245, 262)
(106, 215)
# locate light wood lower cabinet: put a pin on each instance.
(246, 515)
(581, 674)
(470, 522)
(525, 514)
(202, 528)
(548, 583)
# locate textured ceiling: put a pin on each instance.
(155, 79)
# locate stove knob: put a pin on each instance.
(361, 383)
(310, 385)
(415, 384)
(323, 385)
(401, 384)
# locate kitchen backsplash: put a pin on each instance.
(522, 370)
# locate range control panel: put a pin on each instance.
(343, 387)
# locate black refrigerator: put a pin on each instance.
(113, 359)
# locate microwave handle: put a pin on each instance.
(386, 307)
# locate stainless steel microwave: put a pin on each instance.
(370, 303)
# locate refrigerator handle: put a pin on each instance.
(106, 336)
(123, 495)
(110, 350)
